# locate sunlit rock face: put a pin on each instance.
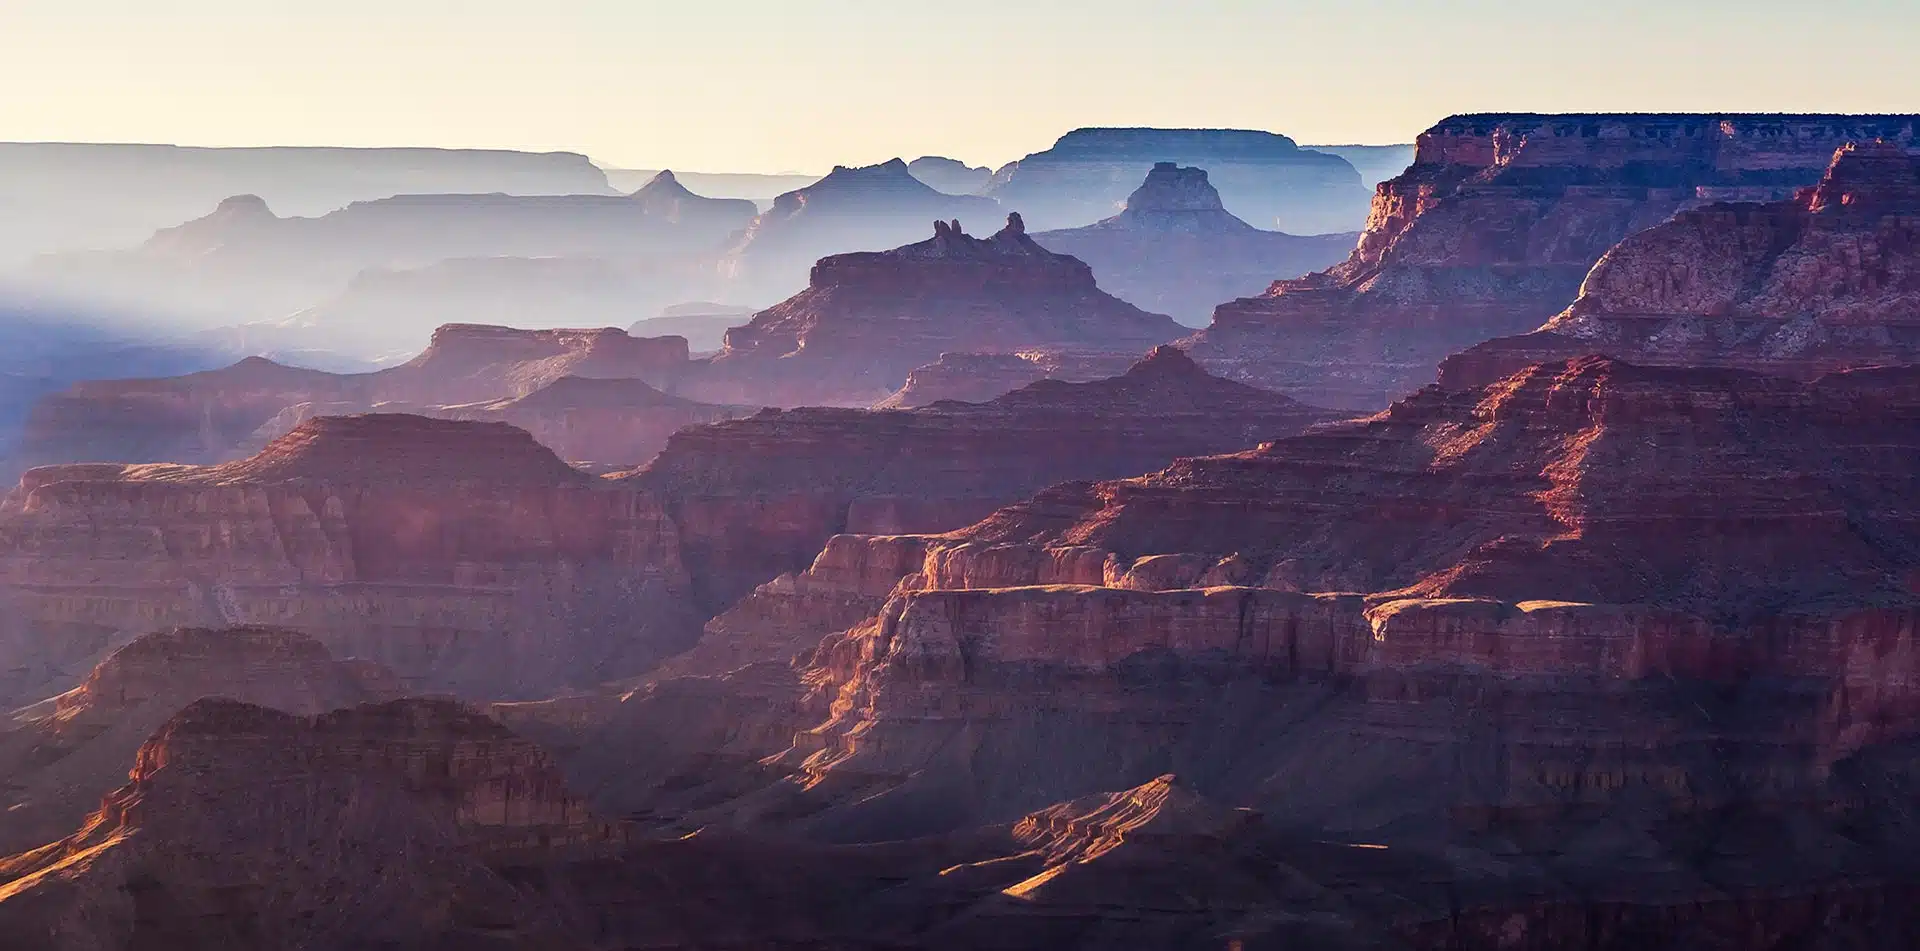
(866, 320)
(1828, 280)
(465, 556)
(1176, 250)
(1491, 232)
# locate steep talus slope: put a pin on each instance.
(867, 319)
(1826, 281)
(1176, 250)
(1491, 230)
(463, 555)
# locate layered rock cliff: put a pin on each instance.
(1828, 280)
(1176, 250)
(1491, 231)
(866, 320)
(852, 209)
(1600, 554)
(1264, 178)
(63, 754)
(756, 497)
(204, 417)
(1479, 626)
(463, 555)
(244, 826)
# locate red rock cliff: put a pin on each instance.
(463, 555)
(1826, 281)
(1491, 230)
(758, 496)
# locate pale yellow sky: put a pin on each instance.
(770, 85)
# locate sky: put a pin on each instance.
(802, 85)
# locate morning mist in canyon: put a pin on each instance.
(1026, 476)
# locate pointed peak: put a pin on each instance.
(663, 183)
(1164, 361)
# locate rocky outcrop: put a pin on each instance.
(63, 754)
(374, 825)
(1491, 231)
(756, 497)
(1264, 178)
(852, 209)
(866, 320)
(950, 175)
(1826, 281)
(204, 417)
(463, 555)
(1176, 250)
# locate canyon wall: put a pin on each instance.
(465, 556)
(1491, 231)
(1828, 280)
